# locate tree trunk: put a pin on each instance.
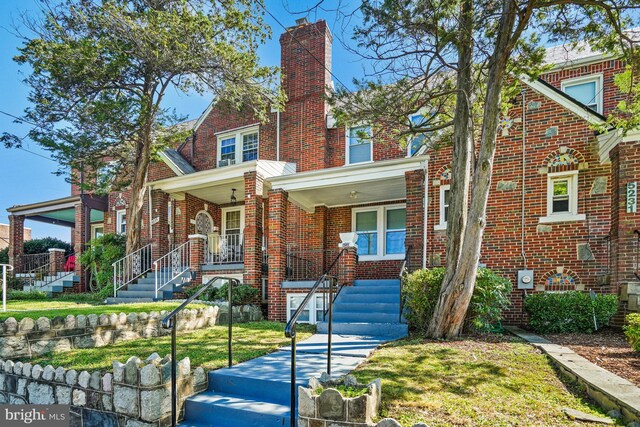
(459, 281)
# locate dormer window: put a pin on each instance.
(359, 145)
(240, 145)
(587, 90)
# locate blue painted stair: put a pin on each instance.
(143, 289)
(256, 393)
(369, 307)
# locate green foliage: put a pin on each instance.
(4, 255)
(569, 311)
(38, 246)
(103, 252)
(241, 294)
(84, 297)
(17, 295)
(490, 298)
(632, 330)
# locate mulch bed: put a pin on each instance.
(607, 348)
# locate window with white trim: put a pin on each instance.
(121, 221)
(416, 141)
(587, 90)
(359, 144)
(445, 197)
(562, 197)
(238, 146)
(313, 312)
(381, 231)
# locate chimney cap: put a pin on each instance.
(302, 21)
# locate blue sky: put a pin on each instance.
(28, 178)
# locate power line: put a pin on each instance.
(20, 119)
(304, 47)
(36, 154)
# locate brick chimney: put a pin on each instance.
(305, 61)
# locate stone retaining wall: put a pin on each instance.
(133, 394)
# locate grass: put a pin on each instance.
(53, 308)
(205, 347)
(477, 381)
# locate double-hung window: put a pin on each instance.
(121, 221)
(359, 145)
(238, 146)
(587, 90)
(445, 194)
(562, 197)
(416, 141)
(381, 231)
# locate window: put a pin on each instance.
(418, 140)
(445, 195)
(587, 90)
(359, 145)
(381, 231)
(97, 231)
(121, 222)
(562, 197)
(238, 146)
(232, 222)
(313, 312)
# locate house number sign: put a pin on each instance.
(632, 197)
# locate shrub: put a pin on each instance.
(85, 297)
(632, 330)
(242, 294)
(103, 252)
(490, 298)
(17, 295)
(569, 311)
(4, 255)
(38, 246)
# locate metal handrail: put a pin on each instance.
(29, 262)
(5, 268)
(47, 278)
(290, 328)
(404, 269)
(171, 266)
(170, 322)
(130, 267)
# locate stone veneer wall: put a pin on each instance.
(30, 338)
(134, 394)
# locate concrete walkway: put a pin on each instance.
(609, 390)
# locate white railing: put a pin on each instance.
(129, 268)
(224, 249)
(5, 268)
(172, 265)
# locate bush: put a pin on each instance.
(17, 295)
(38, 246)
(85, 297)
(242, 294)
(632, 330)
(4, 255)
(103, 252)
(490, 298)
(569, 311)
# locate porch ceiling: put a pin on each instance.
(61, 211)
(349, 185)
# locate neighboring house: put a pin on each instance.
(4, 235)
(266, 202)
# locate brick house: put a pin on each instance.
(267, 202)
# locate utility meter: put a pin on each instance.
(525, 279)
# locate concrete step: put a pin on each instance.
(381, 283)
(141, 287)
(136, 294)
(359, 307)
(120, 300)
(372, 317)
(390, 331)
(348, 297)
(228, 410)
(361, 290)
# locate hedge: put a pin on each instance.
(632, 330)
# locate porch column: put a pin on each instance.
(415, 216)
(159, 223)
(197, 256)
(350, 266)
(277, 249)
(253, 185)
(625, 169)
(16, 241)
(56, 261)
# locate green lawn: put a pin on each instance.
(53, 308)
(471, 382)
(204, 347)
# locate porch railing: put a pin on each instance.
(308, 265)
(42, 275)
(224, 249)
(129, 268)
(172, 266)
(30, 262)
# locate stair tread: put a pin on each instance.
(235, 401)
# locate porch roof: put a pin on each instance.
(61, 211)
(214, 185)
(349, 185)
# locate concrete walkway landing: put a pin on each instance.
(606, 388)
(257, 392)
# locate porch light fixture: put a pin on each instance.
(354, 194)
(234, 199)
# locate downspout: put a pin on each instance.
(524, 165)
(150, 213)
(426, 211)
(278, 135)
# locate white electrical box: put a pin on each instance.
(525, 279)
